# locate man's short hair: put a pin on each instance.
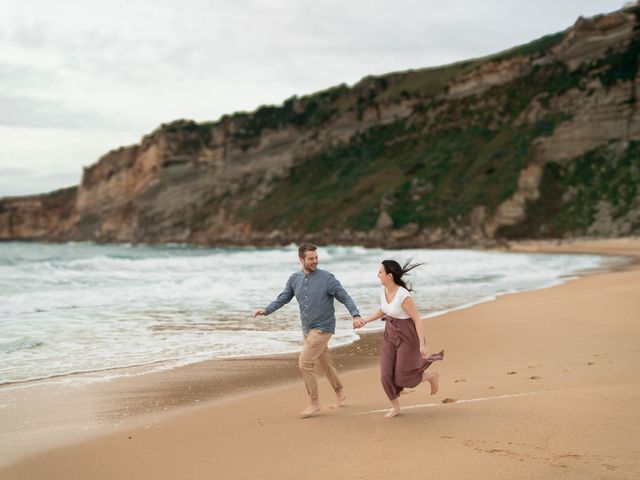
(306, 247)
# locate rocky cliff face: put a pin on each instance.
(538, 141)
(49, 216)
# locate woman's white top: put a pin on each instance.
(394, 309)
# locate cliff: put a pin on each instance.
(542, 140)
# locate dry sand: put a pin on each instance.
(546, 385)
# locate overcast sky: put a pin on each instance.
(79, 78)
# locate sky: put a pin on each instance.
(79, 78)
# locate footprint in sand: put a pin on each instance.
(449, 400)
(459, 380)
(591, 363)
(511, 373)
(535, 377)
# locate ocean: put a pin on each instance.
(83, 307)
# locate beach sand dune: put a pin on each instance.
(541, 384)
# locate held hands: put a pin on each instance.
(358, 322)
(259, 312)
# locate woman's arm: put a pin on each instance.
(410, 307)
(370, 318)
(374, 316)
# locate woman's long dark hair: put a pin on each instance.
(394, 268)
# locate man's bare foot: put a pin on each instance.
(432, 378)
(340, 399)
(311, 410)
(394, 412)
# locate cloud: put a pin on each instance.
(42, 113)
(18, 182)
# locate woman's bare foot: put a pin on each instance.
(340, 399)
(394, 412)
(432, 378)
(395, 409)
(312, 409)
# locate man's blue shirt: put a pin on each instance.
(315, 292)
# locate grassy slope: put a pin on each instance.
(425, 175)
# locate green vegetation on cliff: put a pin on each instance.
(595, 192)
(422, 170)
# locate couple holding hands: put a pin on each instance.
(404, 353)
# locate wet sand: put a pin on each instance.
(42, 415)
(541, 384)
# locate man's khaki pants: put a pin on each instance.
(316, 352)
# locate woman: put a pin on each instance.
(403, 352)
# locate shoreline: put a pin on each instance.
(156, 398)
(622, 263)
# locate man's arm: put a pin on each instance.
(284, 298)
(336, 290)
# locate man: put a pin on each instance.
(315, 290)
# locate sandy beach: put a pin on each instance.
(540, 384)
